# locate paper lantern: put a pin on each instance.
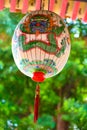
(41, 45)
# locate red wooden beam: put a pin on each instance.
(38, 4)
(25, 6)
(75, 10)
(1, 4)
(63, 8)
(85, 16)
(13, 6)
(51, 5)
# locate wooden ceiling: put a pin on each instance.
(65, 8)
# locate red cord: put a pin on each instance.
(36, 103)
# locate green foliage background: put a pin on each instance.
(17, 90)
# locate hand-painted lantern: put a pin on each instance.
(41, 45)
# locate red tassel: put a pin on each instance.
(36, 103)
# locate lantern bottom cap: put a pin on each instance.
(38, 76)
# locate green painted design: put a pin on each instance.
(63, 43)
(22, 28)
(35, 23)
(52, 48)
(58, 30)
(43, 66)
(49, 48)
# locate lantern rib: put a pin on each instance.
(31, 51)
(45, 49)
(62, 60)
(57, 23)
(51, 46)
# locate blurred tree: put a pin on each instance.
(63, 98)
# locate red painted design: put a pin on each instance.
(38, 4)
(25, 6)
(51, 5)
(75, 10)
(63, 8)
(13, 6)
(1, 4)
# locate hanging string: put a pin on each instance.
(36, 103)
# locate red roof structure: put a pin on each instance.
(65, 8)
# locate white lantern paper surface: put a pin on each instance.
(41, 43)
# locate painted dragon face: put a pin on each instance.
(39, 23)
